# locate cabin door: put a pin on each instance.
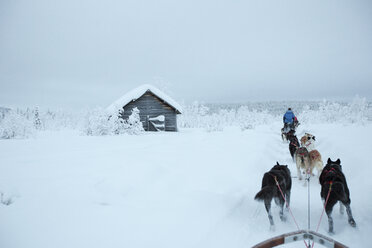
(156, 123)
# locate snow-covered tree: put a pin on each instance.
(16, 125)
(194, 115)
(117, 123)
(134, 125)
(337, 112)
(37, 121)
(97, 122)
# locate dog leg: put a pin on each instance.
(288, 198)
(268, 210)
(342, 208)
(350, 216)
(328, 209)
(299, 173)
(330, 221)
(281, 214)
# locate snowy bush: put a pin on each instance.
(22, 123)
(59, 119)
(194, 116)
(358, 110)
(214, 123)
(249, 119)
(16, 124)
(5, 200)
(100, 122)
(97, 122)
(217, 117)
(200, 116)
(334, 112)
(133, 125)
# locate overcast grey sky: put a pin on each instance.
(88, 53)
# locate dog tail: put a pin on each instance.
(265, 193)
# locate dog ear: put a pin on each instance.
(277, 163)
(313, 137)
(338, 161)
(329, 161)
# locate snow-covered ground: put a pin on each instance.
(186, 189)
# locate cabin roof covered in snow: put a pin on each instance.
(140, 91)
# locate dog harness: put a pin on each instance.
(330, 170)
(307, 143)
(302, 151)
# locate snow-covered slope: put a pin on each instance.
(185, 189)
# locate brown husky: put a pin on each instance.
(302, 161)
(308, 141)
(315, 162)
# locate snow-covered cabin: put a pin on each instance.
(158, 111)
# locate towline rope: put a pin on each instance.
(286, 203)
(325, 204)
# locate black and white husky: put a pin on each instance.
(333, 182)
(293, 143)
(270, 190)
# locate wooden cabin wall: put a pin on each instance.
(152, 106)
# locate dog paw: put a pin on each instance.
(352, 223)
(283, 218)
(272, 228)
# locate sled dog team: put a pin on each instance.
(277, 183)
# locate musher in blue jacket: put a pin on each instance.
(289, 120)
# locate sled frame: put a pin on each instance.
(300, 236)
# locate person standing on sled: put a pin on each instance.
(289, 120)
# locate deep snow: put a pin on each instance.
(187, 189)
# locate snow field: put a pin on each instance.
(187, 189)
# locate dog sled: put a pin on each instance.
(300, 236)
(287, 129)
